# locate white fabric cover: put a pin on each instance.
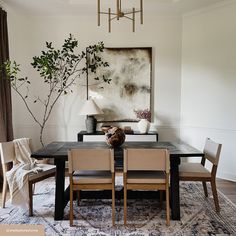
(17, 177)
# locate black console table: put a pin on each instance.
(99, 136)
(136, 136)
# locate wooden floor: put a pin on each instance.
(228, 188)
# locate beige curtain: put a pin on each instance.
(6, 130)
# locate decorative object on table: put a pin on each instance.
(143, 126)
(130, 71)
(145, 119)
(119, 13)
(105, 128)
(115, 137)
(90, 108)
(59, 69)
(128, 130)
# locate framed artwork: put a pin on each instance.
(130, 71)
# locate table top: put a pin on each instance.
(59, 149)
(134, 132)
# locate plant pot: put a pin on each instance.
(143, 126)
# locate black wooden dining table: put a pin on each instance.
(58, 151)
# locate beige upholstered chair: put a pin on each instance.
(7, 153)
(91, 169)
(197, 171)
(146, 169)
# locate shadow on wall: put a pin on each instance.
(166, 132)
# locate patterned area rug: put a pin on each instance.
(93, 217)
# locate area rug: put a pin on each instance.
(145, 218)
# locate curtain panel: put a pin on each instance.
(6, 129)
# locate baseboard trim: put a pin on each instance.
(226, 176)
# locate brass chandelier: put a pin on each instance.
(119, 13)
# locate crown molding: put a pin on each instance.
(209, 8)
(215, 129)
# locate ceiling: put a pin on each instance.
(75, 7)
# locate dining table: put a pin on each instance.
(58, 151)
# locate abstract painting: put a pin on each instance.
(130, 71)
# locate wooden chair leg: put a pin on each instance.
(71, 205)
(78, 197)
(215, 195)
(30, 199)
(4, 192)
(205, 188)
(113, 205)
(33, 188)
(161, 198)
(167, 206)
(125, 204)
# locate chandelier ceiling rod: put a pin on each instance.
(120, 14)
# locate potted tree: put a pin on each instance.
(59, 70)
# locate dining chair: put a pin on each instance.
(198, 171)
(7, 153)
(146, 169)
(91, 169)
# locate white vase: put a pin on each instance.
(143, 126)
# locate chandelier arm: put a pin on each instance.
(131, 12)
(109, 20)
(98, 3)
(141, 11)
(128, 17)
(107, 13)
(114, 14)
(112, 18)
(133, 19)
(117, 9)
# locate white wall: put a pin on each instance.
(27, 38)
(209, 82)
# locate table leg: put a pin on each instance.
(60, 188)
(174, 187)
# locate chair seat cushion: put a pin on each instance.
(92, 177)
(145, 177)
(193, 170)
(46, 170)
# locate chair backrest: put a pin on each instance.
(7, 153)
(91, 159)
(146, 159)
(212, 151)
